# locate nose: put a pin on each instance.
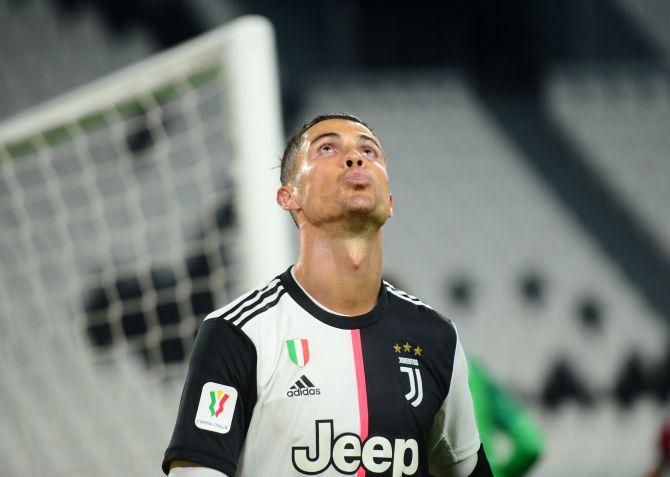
(354, 158)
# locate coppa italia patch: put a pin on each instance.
(216, 408)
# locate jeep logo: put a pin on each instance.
(347, 454)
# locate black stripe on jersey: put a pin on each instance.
(306, 381)
(300, 384)
(390, 413)
(264, 308)
(255, 303)
(247, 299)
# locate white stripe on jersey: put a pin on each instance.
(260, 290)
(404, 295)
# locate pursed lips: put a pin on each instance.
(357, 177)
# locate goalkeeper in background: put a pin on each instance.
(496, 411)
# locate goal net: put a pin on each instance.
(128, 210)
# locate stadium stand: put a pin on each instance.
(621, 119)
(69, 51)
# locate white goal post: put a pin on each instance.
(129, 208)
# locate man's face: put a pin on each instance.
(341, 175)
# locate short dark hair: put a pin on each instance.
(287, 166)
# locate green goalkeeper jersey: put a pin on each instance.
(498, 412)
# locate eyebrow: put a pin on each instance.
(334, 134)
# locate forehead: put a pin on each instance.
(338, 126)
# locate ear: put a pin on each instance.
(391, 203)
(286, 198)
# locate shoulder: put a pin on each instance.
(256, 302)
(417, 310)
(396, 292)
(228, 324)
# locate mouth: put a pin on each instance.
(357, 178)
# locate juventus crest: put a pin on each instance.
(415, 393)
(410, 368)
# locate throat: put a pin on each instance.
(342, 274)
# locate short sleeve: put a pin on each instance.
(454, 436)
(217, 400)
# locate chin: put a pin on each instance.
(368, 213)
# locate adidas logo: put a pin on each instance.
(303, 387)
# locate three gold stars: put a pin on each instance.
(408, 349)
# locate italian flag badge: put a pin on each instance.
(298, 351)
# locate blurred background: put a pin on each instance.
(529, 157)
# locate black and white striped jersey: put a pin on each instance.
(279, 385)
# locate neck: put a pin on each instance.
(342, 271)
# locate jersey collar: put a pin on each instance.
(332, 319)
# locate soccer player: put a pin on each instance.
(328, 369)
